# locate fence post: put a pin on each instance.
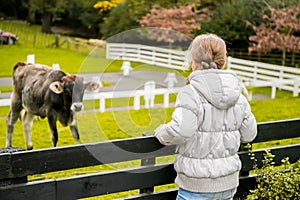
(126, 67)
(281, 73)
(56, 41)
(149, 95)
(102, 103)
(136, 101)
(296, 87)
(30, 58)
(12, 181)
(139, 53)
(107, 55)
(228, 63)
(255, 71)
(166, 99)
(273, 94)
(153, 57)
(34, 40)
(169, 59)
(145, 162)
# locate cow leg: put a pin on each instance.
(53, 129)
(10, 126)
(27, 120)
(74, 129)
(12, 118)
(75, 133)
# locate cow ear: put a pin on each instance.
(56, 87)
(92, 86)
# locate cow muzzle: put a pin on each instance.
(77, 107)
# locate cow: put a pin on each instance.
(39, 90)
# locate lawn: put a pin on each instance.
(73, 57)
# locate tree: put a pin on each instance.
(106, 6)
(126, 15)
(89, 17)
(229, 19)
(81, 17)
(279, 31)
(119, 20)
(172, 23)
(48, 9)
(13, 8)
(140, 8)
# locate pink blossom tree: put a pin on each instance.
(173, 24)
(278, 32)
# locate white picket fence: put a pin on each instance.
(162, 57)
(258, 74)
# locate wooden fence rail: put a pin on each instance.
(16, 166)
(291, 59)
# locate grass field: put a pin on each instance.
(118, 124)
(73, 58)
(69, 61)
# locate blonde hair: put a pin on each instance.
(208, 51)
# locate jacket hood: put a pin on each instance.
(221, 88)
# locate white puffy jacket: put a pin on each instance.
(210, 120)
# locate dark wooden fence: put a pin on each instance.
(16, 165)
(290, 59)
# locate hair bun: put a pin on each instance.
(213, 65)
(208, 65)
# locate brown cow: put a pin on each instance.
(42, 91)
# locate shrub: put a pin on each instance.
(273, 183)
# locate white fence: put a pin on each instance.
(169, 58)
(260, 74)
(137, 94)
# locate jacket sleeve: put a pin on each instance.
(183, 124)
(248, 127)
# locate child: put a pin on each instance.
(210, 120)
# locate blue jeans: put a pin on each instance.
(187, 195)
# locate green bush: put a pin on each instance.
(273, 183)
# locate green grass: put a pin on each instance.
(70, 61)
(72, 57)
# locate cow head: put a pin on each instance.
(72, 87)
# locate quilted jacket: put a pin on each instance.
(211, 118)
